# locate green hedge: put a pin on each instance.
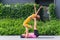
(11, 26)
(50, 28)
(52, 11)
(16, 10)
(21, 10)
(15, 27)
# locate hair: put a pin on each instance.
(41, 13)
(22, 36)
(38, 18)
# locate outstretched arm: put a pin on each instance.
(35, 7)
(39, 9)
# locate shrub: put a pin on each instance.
(52, 11)
(49, 28)
(11, 27)
(17, 10)
(15, 27)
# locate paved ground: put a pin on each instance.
(39, 38)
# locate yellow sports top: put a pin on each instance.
(29, 19)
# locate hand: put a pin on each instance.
(34, 4)
(41, 6)
(30, 26)
(34, 18)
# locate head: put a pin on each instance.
(23, 36)
(38, 17)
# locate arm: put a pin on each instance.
(39, 9)
(35, 24)
(35, 7)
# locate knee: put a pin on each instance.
(24, 24)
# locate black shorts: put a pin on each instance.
(36, 33)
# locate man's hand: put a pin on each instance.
(30, 26)
(34, 18)
(35, 24)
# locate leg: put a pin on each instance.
(26, 27)
(35, 28)
(26, 33)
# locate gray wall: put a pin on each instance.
(16, 1)
(57, 3)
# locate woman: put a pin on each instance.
(34, 17)
(32, 35)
